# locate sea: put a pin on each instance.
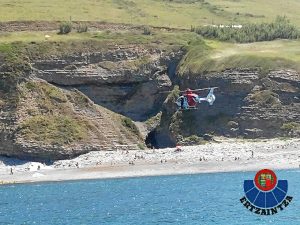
(212, 198)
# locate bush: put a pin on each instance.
(193, 29)
(291, 126)
(65, 28)
(82, 28)
(141, 146)
(147, 30)
(265, 98)
(280, 28)
(193, 140)
(174, 94)
(126, 122)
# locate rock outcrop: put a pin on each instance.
(127, 80)
(248, 105)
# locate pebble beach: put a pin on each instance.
(224, 155)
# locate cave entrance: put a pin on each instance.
(151, 140)
(158, 139)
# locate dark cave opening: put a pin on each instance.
(151, 140)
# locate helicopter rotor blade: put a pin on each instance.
(201, 89)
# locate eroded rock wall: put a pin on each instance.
(126, 80)
(248, 104)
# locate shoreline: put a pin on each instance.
(227, 156)
(91, 176)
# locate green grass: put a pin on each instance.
(80, 99)
(50, 117)
(209, 55)
(176, 13)
(152, 122)
(193, 140)
(49, 96)
(26, 37)
(203, 55)
(127, 122)
(36, 41)
(53, 129)
(130, 64)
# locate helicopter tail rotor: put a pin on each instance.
(210, 98)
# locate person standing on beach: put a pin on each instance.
(11, 171)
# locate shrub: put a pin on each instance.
(65, 28)
(71, 67)
(82, 28)
(193, 29)
(280, 28)
(291, 126)
(141, 146)
(193, 140)
(174, 94)
(147, 30)
(265, 98)
(126, 122)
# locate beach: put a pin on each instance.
(224, 155)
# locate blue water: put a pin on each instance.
(190, 199)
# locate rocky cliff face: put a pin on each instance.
(248, 104)
(64, 104)
(127, 80)
(70, 103)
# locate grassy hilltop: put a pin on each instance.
(169, 13)
(203, 55)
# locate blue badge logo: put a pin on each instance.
(266, 195)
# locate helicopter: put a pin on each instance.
(189, 99)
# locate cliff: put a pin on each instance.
(62, 103)
(59, 99)
(249, 105)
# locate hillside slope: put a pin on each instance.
(47, 122)
(167, 13)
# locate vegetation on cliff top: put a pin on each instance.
(34, 44)
(280, 28)
(209, 55)
(202, 55)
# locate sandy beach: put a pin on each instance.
(225, 156)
